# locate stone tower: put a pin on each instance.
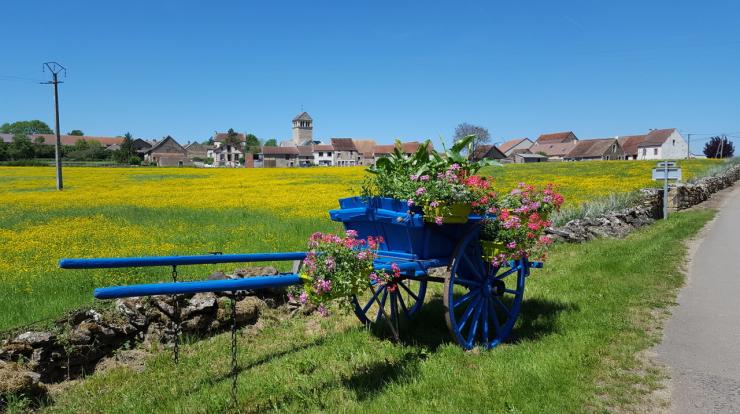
(302, 129)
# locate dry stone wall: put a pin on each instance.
(650, 208)
(86, 338)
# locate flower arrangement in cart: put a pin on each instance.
(446, 189)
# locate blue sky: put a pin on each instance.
(380, 70)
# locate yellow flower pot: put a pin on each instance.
(454, 214)
(491, 249)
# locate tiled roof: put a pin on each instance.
(323, 147)
(162, 141)
(279, 150)
(554, 137)
(557, 149)
(383, 149)
(343, 144)
(220, 136)
(629, 143)
(305, 150)
(656, 137)
(591, 148)
(506, 146)
(303, 116)
(364, 145)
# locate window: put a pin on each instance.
(321, 154)
(328, 154)
(655, 151)
(644, 151)
(287, 157)
(674, 142)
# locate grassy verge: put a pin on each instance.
(583, 321)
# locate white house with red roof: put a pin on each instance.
(663, 144)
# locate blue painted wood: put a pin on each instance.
(403, 228)
(174, 288)
(108, 263)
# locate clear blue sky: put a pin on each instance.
(376, 69)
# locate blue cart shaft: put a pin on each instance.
(174, 288)
(108, 263)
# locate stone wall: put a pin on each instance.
(79, 342)
(650, 208)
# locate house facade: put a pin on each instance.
(663, 144)
(226, 154)
(167, 153)
(196, 151)
(279, 157)
(323, 155)
(596, 149)
(305, 155)
(345, 152)
(490, 152)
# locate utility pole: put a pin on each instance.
(55, 68)
(688, 150)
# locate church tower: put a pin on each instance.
(302, 129)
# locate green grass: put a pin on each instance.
(585, 317)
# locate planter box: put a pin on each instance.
(403, 231)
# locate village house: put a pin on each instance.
(629, 145)
(596, 149)
(490, 152)
(555, 146)
(279, 157)
(512, 145)
(196, 151)
(305, 155)
(167, 153)
(142, 146)
(226, 154)
(323, 155)
(345, 152)
(663, 144)
(366, 151)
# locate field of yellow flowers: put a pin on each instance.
(153, 211)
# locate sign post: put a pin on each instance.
(666, 170)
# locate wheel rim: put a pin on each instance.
(386, 304)
(482, 301)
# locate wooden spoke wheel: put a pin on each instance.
(385, 305)
(482, 301)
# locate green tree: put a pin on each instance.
(26, 128)
(253, 144)
(127, 154)
(272, 142)
(232, 138)
(76, 132)
(21, 148)
(4, 151)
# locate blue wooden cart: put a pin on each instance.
(481, 301)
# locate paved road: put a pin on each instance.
(702, 339)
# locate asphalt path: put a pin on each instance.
(701, 344)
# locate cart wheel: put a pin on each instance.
(385, 305)
(482, 301)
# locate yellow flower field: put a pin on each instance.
(105, 212)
